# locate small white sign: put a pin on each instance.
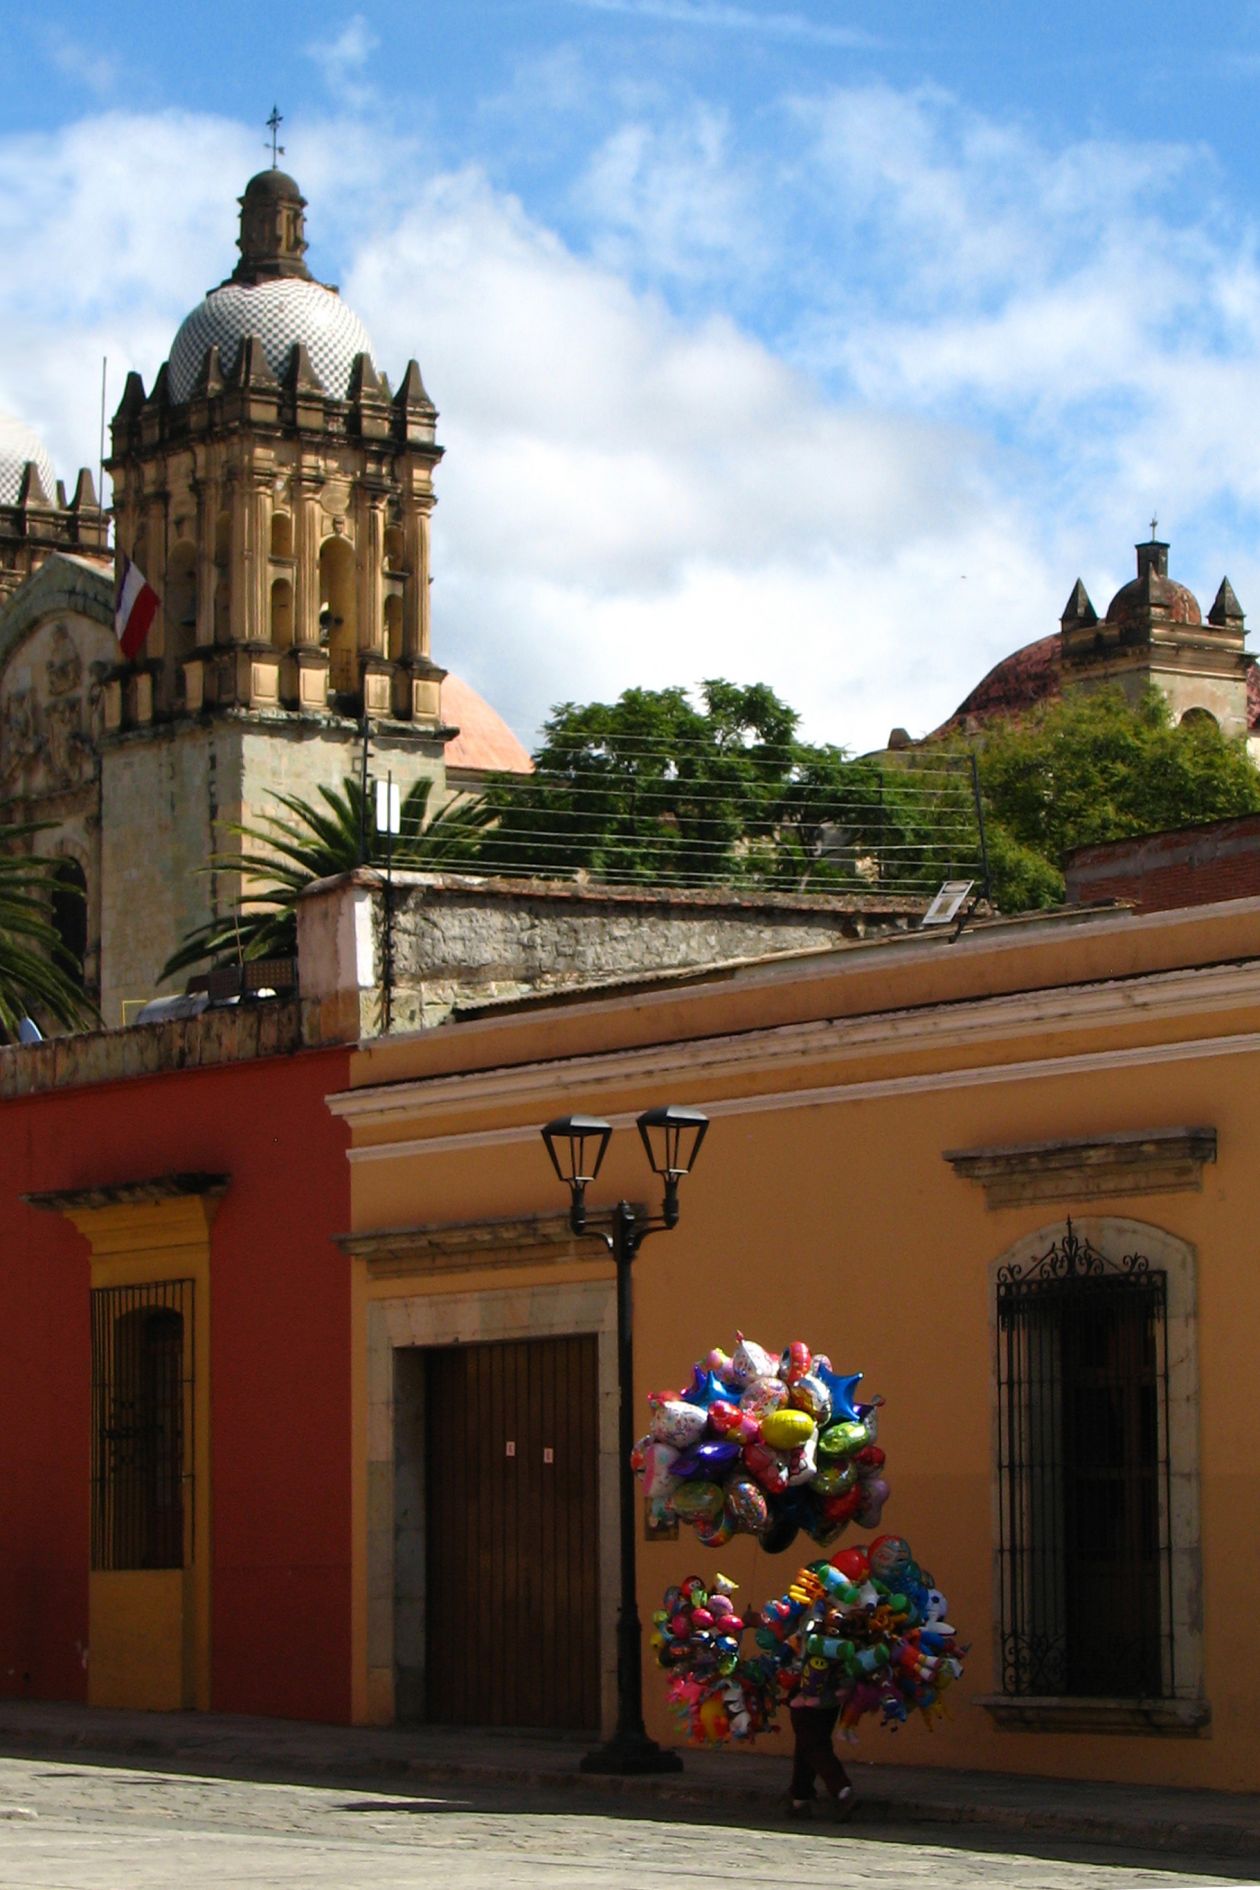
(946, 904)
(388, 807)
(511, 1448)
(549, 1455)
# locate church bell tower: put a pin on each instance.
(276, 492)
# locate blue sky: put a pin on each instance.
(804, 341)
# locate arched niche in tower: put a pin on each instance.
(222, 577)
(281, 535)
(337, 613)
(395, 548)
(394, 627)
(282, 614)
(181, 597)
(69, 914)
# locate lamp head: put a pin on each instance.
(672, 1138)
(576, 1146)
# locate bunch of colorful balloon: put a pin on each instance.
(865, 1631)
(766, 1443)
(714, 1694)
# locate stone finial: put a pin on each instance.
(160, 395)
(250, 368)
(1226, 611)
(364, 381)
(133, 399)
(31, 491)
(272, 241)
(299, 375)
(411, 395)
(209, 379)
(85, 499)
(1078, 611)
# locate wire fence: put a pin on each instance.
(750, 817)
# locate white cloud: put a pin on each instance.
(99, 72)
(988, 362)
(670, 199)
(717, 16)
(342, 61)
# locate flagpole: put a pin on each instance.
(100, 464)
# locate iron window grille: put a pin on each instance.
(1085, 1554)
(142, 1425)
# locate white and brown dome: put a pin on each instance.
(20, 447)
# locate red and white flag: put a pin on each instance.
(134, 608)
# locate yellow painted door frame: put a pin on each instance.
(149, 1629)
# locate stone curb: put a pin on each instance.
(874, 1809)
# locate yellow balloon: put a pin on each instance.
(786, 1430)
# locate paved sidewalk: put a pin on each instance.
(1197, 1823)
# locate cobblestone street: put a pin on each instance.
(101, 1827)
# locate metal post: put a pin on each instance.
(629, 1749)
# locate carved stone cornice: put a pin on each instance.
(466, 1246)
(1134, 1161)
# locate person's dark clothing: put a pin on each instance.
(814, 1757)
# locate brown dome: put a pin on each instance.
(1021, 680)
(1152, 596)
(1143, 598)
(484, 743)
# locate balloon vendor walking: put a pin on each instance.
(814, 1710)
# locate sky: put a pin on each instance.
(814, 342)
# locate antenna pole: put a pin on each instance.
(984, 845)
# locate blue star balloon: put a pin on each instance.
(841, 1388)
(706, 1388)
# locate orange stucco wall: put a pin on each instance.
(841, 1222)
(279, 1406)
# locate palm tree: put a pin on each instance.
(318, 842)
(38, 976)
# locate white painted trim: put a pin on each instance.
(1035, 1070)
(937, 1027)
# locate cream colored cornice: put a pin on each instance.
(781, 1055)
(1163, 996)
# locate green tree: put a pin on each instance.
(1094, 767)
(313, 841)
(657, 789)
(38, 977)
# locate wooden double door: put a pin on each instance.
(512, 1534)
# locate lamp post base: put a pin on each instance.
(629, 1753)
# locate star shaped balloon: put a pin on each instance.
(841, 1387)
(706, 1388)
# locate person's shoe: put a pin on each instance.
(840, 1805)
(800, 1808)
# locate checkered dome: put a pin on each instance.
(18, 444)
(279, 313)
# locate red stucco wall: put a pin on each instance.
(280, 1389)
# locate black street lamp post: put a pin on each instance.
(576, 1145)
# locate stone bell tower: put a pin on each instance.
(276, 493)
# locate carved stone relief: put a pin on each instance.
(52, 708)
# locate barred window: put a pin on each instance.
(142, 1410)
(1085, 1550)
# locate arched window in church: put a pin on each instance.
(281, 535)
(395, 556)
(181, 598)
(1198, 718)
(222, 577)
(338, 629)
(69, 915)
(282, 614)
(393, 628)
